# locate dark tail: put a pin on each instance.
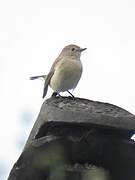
(36, 77)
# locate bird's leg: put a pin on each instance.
(56, 93)
(70, 94)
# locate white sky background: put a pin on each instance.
(32, 34)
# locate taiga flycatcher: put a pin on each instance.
(65, 72)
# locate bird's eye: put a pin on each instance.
(73, 49)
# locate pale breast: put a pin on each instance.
(66, 75)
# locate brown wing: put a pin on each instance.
(47, 82)
(49, 76)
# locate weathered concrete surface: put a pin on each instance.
(78, 131)
(82, 112)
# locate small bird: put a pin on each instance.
(65, 72)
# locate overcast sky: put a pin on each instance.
(32, 34)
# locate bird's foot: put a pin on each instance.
(55, 94)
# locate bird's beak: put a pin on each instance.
(82, 49)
